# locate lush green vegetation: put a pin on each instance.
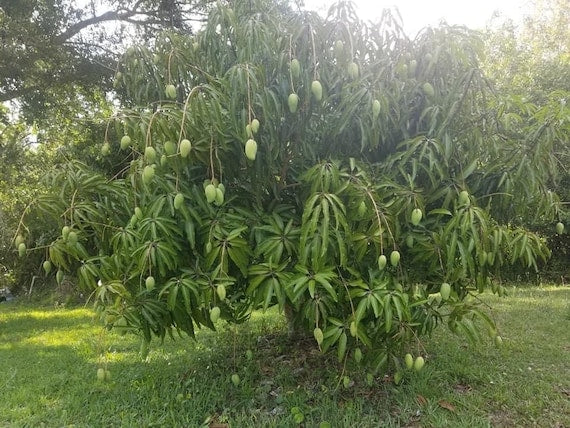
(366, 184)
(50, 359)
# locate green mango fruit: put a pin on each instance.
(318, 334)
(409, 360)
(254, 126)
(352, 70)
(170, 91)
(235, 379)
(150, 154)
(148, 174)
(394, 258)
(445, 291)
(215, 314)
(210, 192)
(125, 142)
(428, 89)
(293, 101)
(251, 149)
(382, 260)
(47, 266)
(178, 201)
(317, 90)
(185, 148)
(375, 109)
(295, 68)
(416, 216)
(221, 291)
(169, 148)
(419, 364)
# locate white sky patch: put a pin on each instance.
(417, 14)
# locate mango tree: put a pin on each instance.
(335, 169)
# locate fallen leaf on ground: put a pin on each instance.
(446, 405)
(421, 400)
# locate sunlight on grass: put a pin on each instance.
(61, 338)
(47, 314)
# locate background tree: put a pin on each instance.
(55, 51)
(530, 66)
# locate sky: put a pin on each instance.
(417, 14)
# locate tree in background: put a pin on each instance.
(52, 49)
(351, 176)
(530, 66)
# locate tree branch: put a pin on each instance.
(77, 27)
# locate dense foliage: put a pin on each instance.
(368, 184)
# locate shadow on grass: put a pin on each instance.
(183, 383)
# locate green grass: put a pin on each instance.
(49, 358)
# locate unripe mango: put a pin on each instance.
(148, 174)
(254, 126)
(47, 266)
(72, 238)
(150, 154)
(375, 109)
(318, 334)
(317, 90)
(560, 228)
(353, 329)
(169, 148)
(185, 147)
(235, 379)
(125, 142)
(394, 258)
(498, 341)
(419, 364)
(138, 213)
(150, 283)
(295, 68)
(100, 374)
(339, 49)
(215, 314)
(210, 192)
(357, 355)
(178, 201)
(251, 149)
(428, 89)
(59, 277)
(445, 291)
(293, 101)
(352, 70)
(409, 360)
(382, 260)
(22, 249)
(416, 216)
(362, 208)
(221, 291)
(170, 91)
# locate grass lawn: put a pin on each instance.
(49, 359)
